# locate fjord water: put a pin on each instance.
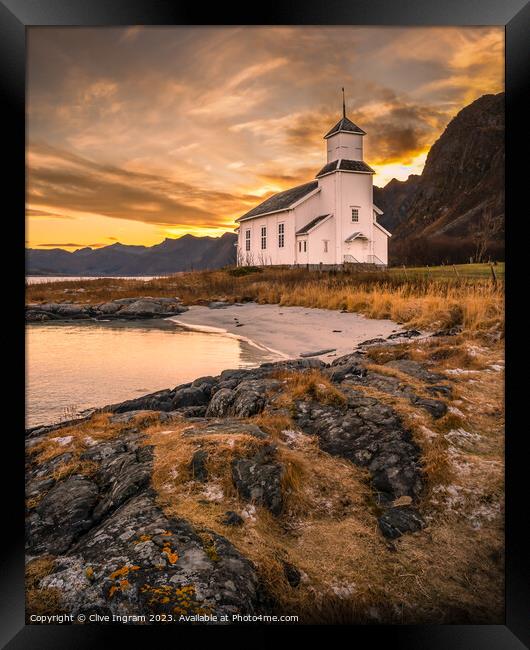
(75, 366)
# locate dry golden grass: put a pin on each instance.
(308, 385)
(414, 300)
(41, 600)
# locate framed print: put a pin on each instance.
(265, 321)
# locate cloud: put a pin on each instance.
(68, 181)
(187, 128)
(44, 214)
(70, 245)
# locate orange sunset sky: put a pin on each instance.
(137, 134)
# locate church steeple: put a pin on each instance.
(345, 139)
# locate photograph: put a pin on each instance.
(265, 325)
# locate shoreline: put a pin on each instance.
(208, 329)
(290, 332)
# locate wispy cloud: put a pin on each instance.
(166, 129)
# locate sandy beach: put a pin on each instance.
(288, 331)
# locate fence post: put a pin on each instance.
(493, 275)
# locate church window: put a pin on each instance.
(299, 246)
(247, 240)
(305, 246)
(325, 245)
(263, 237)
(355, 214)
(281, 235)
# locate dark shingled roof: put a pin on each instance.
(281, 201)
(345, 125)
(311, 224)
(347, 166)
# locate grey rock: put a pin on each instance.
(37, 316)
(292, 574)
(224, 427)
(171, 556)
(62, 515)
(370, 434)
(369, 342)
(191, 411)
(143, 308)
(231, 518)
(161, 400)
(109, 307)
(258, 479)
(120, 477)
(316, 353)
(433, 406)
(220, 403)
(218, 304)
(198, 468)
(192, 396)
(415, 369)
(450, 331)
(128, 416)
(439, 389)
(407, 334)
(397, 521)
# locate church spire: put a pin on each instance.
(343, 104)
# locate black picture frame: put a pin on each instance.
(15, 17)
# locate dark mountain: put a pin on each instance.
(183, 254)
(439, 215)
(392, 199)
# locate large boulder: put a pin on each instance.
(190, 396)
(144, 308)
(64, 513)
(108, 308)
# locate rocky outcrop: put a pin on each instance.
(116, 552)
(123, 309)
(116, 549)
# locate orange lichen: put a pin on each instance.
(123, 571)
(171, 556)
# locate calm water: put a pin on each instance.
(39, 279)
(71, 367)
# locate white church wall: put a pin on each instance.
(380, 245)
(321, 244)
(273, 253)
(355, 193)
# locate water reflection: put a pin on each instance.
(71, 367)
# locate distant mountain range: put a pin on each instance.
(434, 217)
(183, 254)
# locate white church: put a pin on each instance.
(328, 222)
